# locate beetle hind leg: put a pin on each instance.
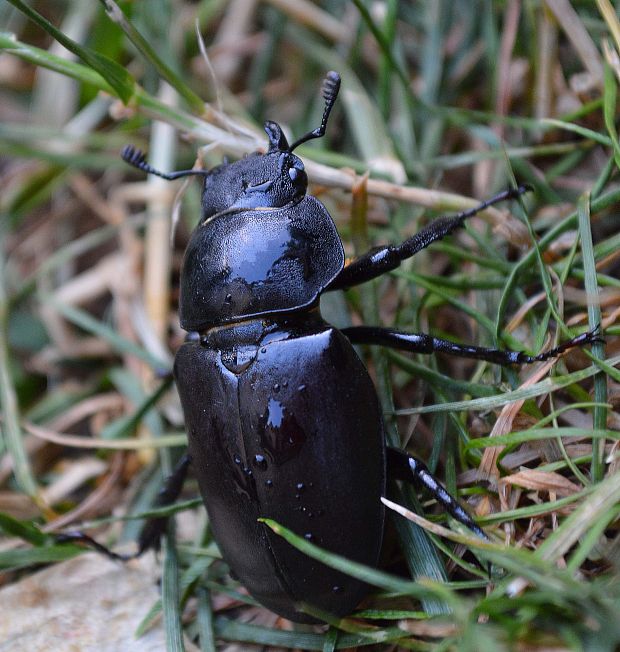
(153, 528)
(405, 467)
(168, 494)
(76, 536)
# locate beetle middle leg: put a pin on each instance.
(153, 528)
(380, 260)
(403, 466)
(423, 343)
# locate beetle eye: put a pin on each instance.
(296, 174)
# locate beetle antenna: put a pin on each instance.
(331, 86)
(136, 157)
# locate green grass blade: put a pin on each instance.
(372, 576)
(537, 389)
(594, 318)
(205, 622)
(114, 74)
(610, 94)
(171, 598)
(22, 529)
(537, 434)
(150, 54)
(13, 440)
(84, 320)
(45, 59)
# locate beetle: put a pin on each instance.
(283, 419)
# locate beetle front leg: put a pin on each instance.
(153, 528)
(405, 467)
(423, 343)
(380, 260)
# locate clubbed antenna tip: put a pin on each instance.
(330, 88)
(136, 157)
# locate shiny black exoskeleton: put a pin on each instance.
(282, 417)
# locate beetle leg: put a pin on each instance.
(423, 343)
(76, 536)
(380, 260)
(153, 528)
(402, 466)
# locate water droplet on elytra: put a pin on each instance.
(260, 461)
(269, 484)
(282, 437)
(243, 477)
(275, 414)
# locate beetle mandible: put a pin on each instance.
(283, 419)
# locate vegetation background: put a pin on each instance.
(443, 104)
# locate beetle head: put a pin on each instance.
(264, 181)
(259, 181)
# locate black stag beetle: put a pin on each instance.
(282, 417)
